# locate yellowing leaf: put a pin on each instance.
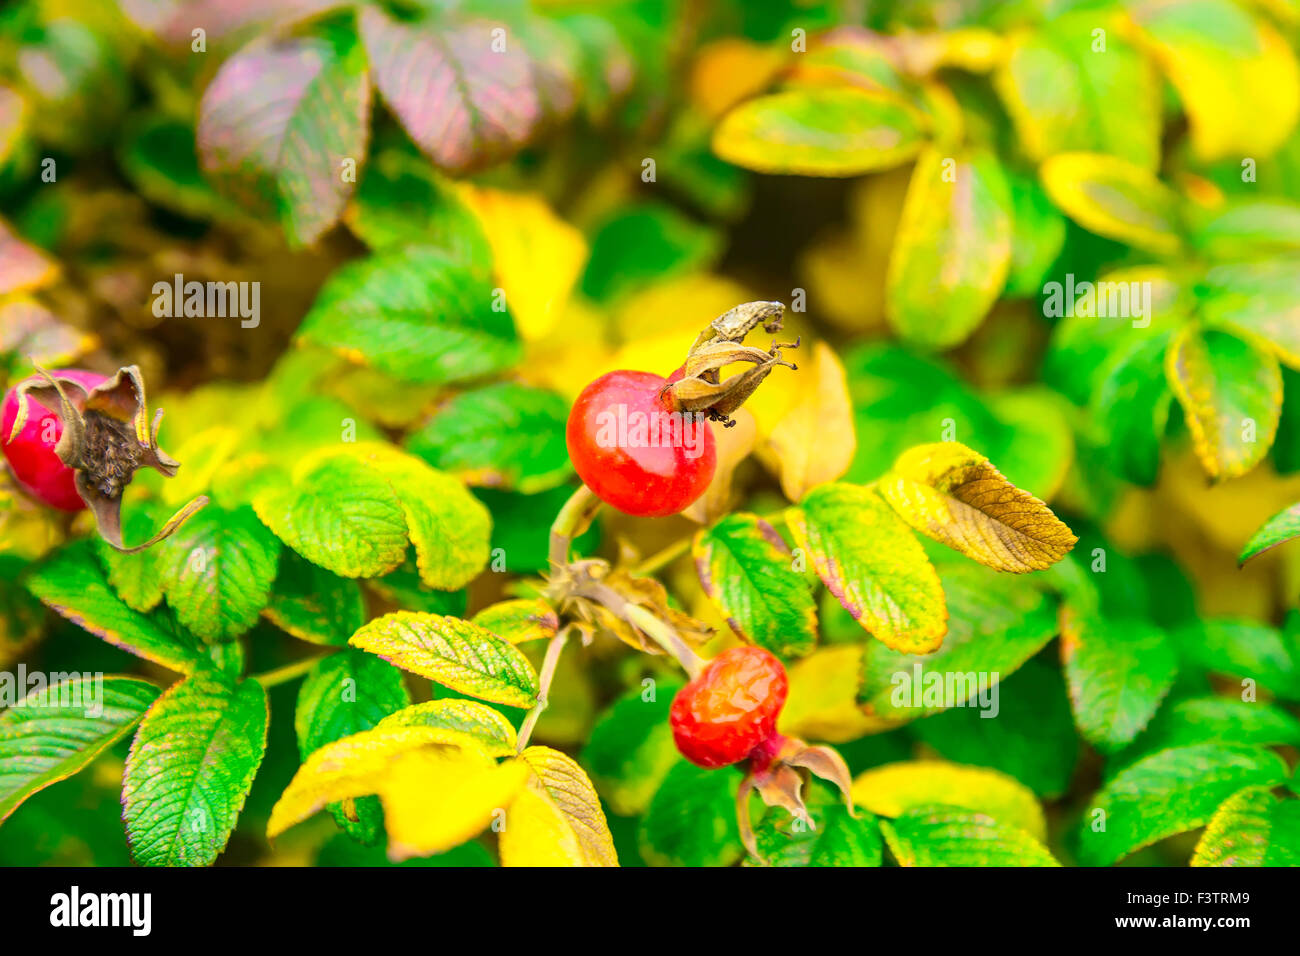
(895, 788)
(519, 621)
(458, 720)
(455, 653)
(729, 70)
(1231, 393)
(822, 701)
(1116, 199)
(869, 560)
(437, 798)
(536, 255)
(557, 820)
(955, 496)
(1218, 56)
(815, 442)
(734, 445)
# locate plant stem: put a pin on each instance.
(665, 635)
(282, 675)
(663, 558)
(574, 518)
(549, 664)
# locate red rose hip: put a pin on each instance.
(634, 450)
(31, 454)
(730, 708)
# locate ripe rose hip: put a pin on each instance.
(31, 454)
(730, 709)
(634, 450)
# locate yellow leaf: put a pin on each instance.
(437, 798)
(457, 720)
(1116, 199)
(897, 787)
(537, 256)
(519, 621)
(822, 701)
(814, 442)
(557, 820)
(729, 70)
(351, 767)
(955, 496)
(734, 445)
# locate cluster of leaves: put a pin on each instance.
(451, 209)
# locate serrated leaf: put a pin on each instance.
(746, 570)
(1119, 671)
(952, 254)
(136, 578)
(557, 820)
(1170, 792)
(57, 730)
(217, 571)
(1132, 406)
(1200, 720)
(503, 435)
(1116, 199)
(956, 496)
(520, 621)
(464, 102)
(1251, 828)
(895, 788)
(944, 836)
(1244, 649)
(631, 748)
(190, 769)
(71, 582)
(281, 120)
(814, 441)
(345, 694)
(1231, 393)
(996, 623)
(455, 653)
(872, 564)
(820, 132)
(692, 819)
(1214, 53)
(488, 728)
(1258, 300)
(1279, 529)
(837, 840)
(414, 313)
(314, 604)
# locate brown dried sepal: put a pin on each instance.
(777, 773)
(702, 389)
(107, 437)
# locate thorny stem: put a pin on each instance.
(549, 664)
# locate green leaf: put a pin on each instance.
(57, 730)
(519, 621)
(159, 155)
(1119, 671)
(834, 131)
(453, 652)
(1061, 91)
(1258, 300)
(643, 244)
(190, 768)
(1245, 649)
(416, 314)
(404, 589)
(837, 840)
(1038, 237)
(503, 435)
(1201, 720)
(463, 101)
(314, 604)
(893, 789)
(1251, 828)
(1249, 229)
(1231, 393)
(1116, 199)
(952, 254)
(872, 564)
(1132, 407)
(692, 819)
(71, 582)
(467, 719)
(1032, 738)
(136, 578)
(1279, 529)
(218, 569)
(631, 748)
(997, 623)
(948, 836)
(1169, 792)
(345, 694)
(746, 570)
(280, 121)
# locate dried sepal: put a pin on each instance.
(774, 774)
(737, 322)
(702, 390)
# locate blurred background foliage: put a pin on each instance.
(907, 176)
